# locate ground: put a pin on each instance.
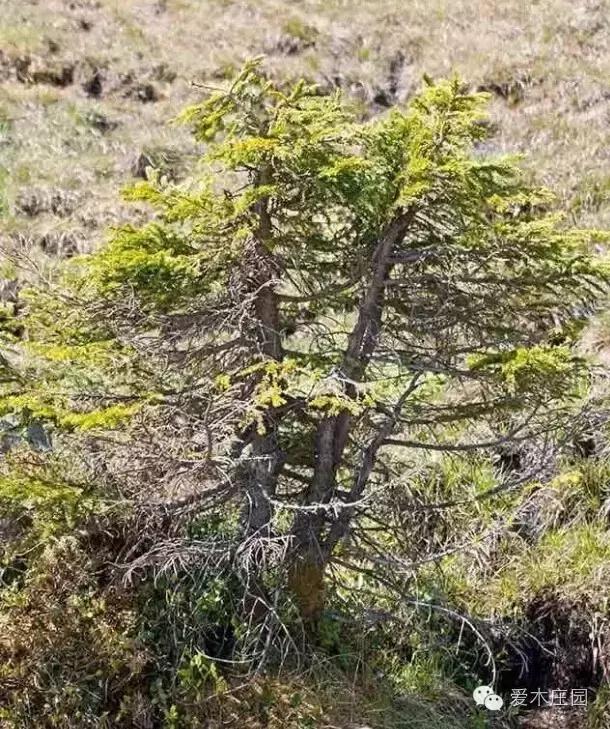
(89, 86)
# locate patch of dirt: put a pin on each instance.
(560, 648)
(93, 85)
(144, 92)
(32, 203)
(168, 161)
(512, 88)
(73, 67)
(37, 70)
(60, 244)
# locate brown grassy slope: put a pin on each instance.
(87, 88)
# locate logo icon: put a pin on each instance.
(484, 696)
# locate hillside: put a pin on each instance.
(88, 88)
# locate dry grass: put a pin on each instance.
(65, 132)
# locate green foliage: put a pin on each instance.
(30, 407)
(554, 541)
(535, 368)
(152, 260)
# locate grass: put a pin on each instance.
(545, 63)
(573, 562)
(552, 539)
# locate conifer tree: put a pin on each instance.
(321, 296)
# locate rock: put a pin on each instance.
(13, 435)
(38, 437)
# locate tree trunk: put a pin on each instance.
(306, 583)
(306, 577)
(266, 452)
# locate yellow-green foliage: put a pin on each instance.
(535, 367)
(33, 407)
(149, 259)
(107, 419)
(31, 494)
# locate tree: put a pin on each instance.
(321, 298)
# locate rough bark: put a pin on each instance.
(266, 455)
